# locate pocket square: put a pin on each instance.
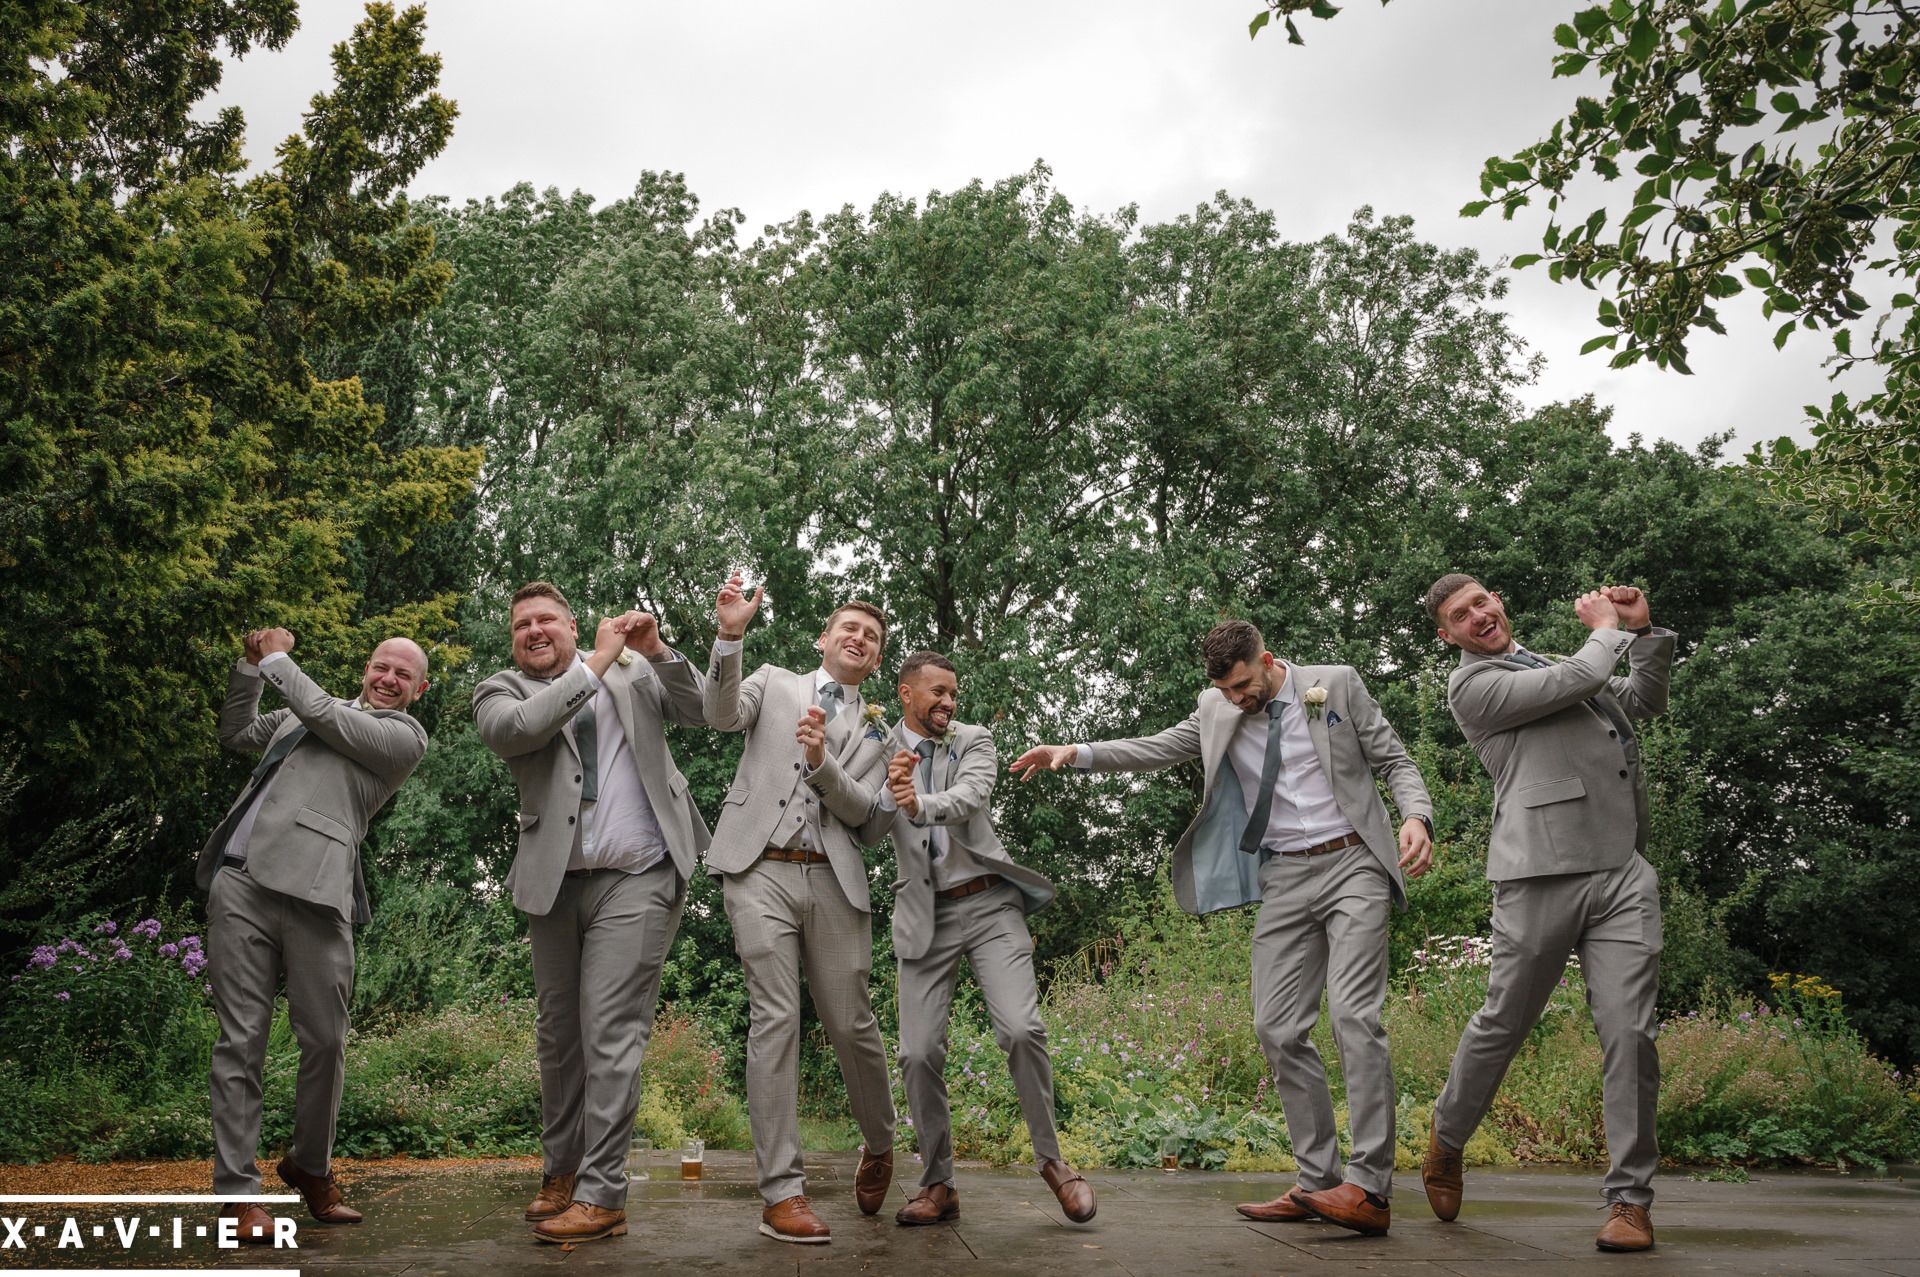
(1333, 718)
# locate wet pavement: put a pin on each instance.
(1151, 1224)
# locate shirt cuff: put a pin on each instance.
(1083, 757)
(271, 657)
(727, 647)
(886, 802)
(591, 676)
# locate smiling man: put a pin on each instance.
(795, 886)
(960, 895)
(282, 873)
(1291, 819)
(608, 841)
(1569, 824)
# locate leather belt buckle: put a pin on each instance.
(234, 862)
(1332, 844)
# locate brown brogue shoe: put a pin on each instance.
(1443, 1175)
(1071, 1187)
(1628, 1227)
(582, 1222)
(555, 1195)
(932, 1205)
(872, 1180)
(1349, 1206)
(321, 1191)
(256, 1226)
(1283, 1209)
(793, 1220)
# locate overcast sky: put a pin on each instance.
(811, 104)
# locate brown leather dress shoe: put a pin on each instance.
(1628, 1227)
(1281, 1210)
(933, 1205)
(582, 1222)
(1349, 1206)
(256, 1226)
(1071, 1187)
(321, 1191)
(555, 1195)
(793, 1220)
(1443, 1175)
(872, 1180)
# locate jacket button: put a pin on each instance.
(1611, 733)
(570, 818)
(1623, 773)
(783, 802)
(576, 780)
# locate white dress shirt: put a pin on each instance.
(619, 829)
(1304, 812)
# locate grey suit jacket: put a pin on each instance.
(1210, 872)
(529, 722)
(962, 804)
(1567, 797)
(306, 836)
(767, 706)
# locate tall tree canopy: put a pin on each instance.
(172, 470)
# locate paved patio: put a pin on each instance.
(1515, 1223)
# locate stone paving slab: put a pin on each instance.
(1516, 1223)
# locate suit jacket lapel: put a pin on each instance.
(1316, 723)
(847, 727)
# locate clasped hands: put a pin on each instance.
(257, 645)
(1613, 607)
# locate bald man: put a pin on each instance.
(282, 872)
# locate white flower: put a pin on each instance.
(1315, 696)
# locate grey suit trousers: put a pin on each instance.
(1323, 923)
(988, 929)
(787, 916)
(1611, 918)
(597, 956)
(254, 935)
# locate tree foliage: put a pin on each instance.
(1771, 146)
(173, 471)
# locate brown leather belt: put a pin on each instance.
(1333, 844)
(971, 886)
(795, 856)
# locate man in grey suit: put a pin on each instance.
(282, 873)
(795, 887)
(960, 895)
(1292, 819)
(608, 837)
(1569, 824)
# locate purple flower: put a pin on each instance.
(169, 950)
(189, 942)
(122, 954)
(208, 987)
(107, 928)
(64, 996)
(193, 962)
(148, 927)
(43, 957)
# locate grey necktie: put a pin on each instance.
(830, 699)
(279, 750)
(1605, 708)
(936, 845)
(1269, 773)
(586, 738)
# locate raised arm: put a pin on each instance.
(1490, 697)
(1140, 754)
(386, 744)
(512, 725)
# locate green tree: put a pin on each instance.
(172, 469)
(1772, 145)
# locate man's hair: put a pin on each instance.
(921, 660)
(861, 605)
(1229, 643)
(1445, 588)
(541, 590)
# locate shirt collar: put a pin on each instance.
(821, 678)
(1288, 694)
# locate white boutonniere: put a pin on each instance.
(947, 738)
(1315, 699)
